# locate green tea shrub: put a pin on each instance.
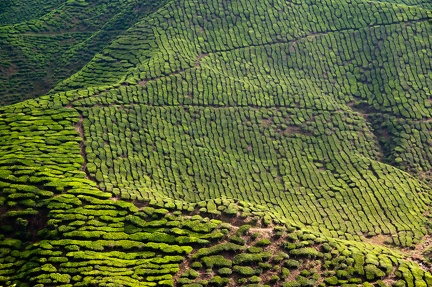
(244, 270)
(216, 260)
(225, 271)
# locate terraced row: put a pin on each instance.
(374, 60)
(58, 228)
(191, 112)
(195, 153)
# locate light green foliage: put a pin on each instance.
(308, 251)
(225, 271)
(244, 270)
(279, 111)
(166, 118)
(248, 258)
(216, 260)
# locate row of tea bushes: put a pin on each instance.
(195, 153)
(408, 142)
(282, 257)
(74, 234)
(39, 150)
(385, 75)
(58, 229)
(90, 239)
(376, 66)
(272, 71)
(98, 241)
(216, 29)
(268, 121)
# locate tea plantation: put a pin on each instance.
(215, 143)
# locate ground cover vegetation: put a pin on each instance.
(216, 143)
(44, 42)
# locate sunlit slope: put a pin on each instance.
(312, 109)
(223, 143)
(58, 229)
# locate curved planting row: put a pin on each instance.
(300, 116)
(58, 228)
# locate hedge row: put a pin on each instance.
(297, 156)
(279, 257)
(264, 107)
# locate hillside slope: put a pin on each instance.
(269, 108)
(308, 120)
(44, 42)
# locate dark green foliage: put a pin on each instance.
(58, 40)
(237, 239)
(291, 263)
(243, 229)
(191, 273)
(263, 242)
(248, 258)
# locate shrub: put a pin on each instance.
(291, 263)
(237, 239)
(285, 273)
(60, 278)
(216, 260)
(244, 270)
(243, 229)
(291, 284)
(185, 281)
(254, 279)
(190, 273)
(265, 265)
(218, 249)
(332, 280)
(9, 242)
(372, 272)
(263, 242)
(224, 271)
(196, 264)
(254, 249)
(219, 281)
(250, 258)
(306, 251)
